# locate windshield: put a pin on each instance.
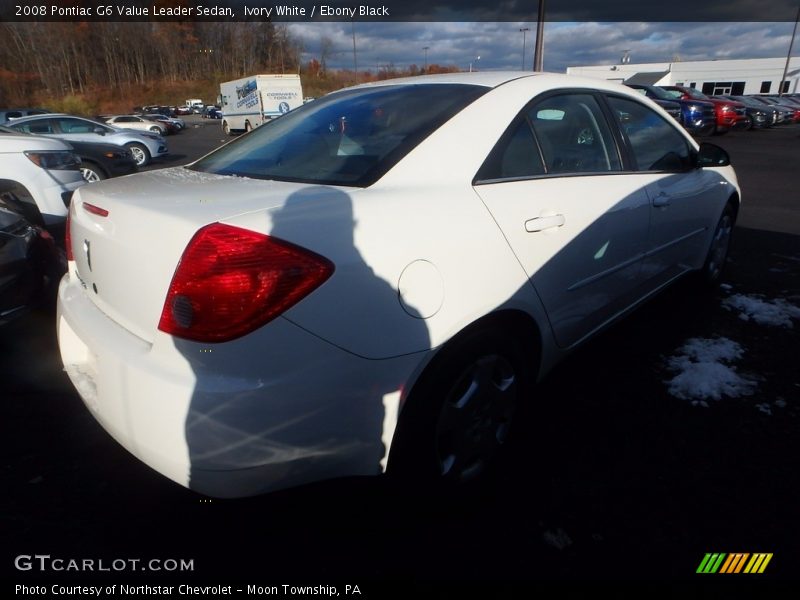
(347, 138)
(696, 95)
(672, 94)
(660, 93)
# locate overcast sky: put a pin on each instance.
(499, 45)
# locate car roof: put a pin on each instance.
(494, 79)
(45, 116)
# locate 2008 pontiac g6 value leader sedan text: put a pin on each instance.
(376, 279)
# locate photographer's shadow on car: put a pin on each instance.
(294, 406)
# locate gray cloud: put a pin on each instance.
(499, 44)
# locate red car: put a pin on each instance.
(730, 114)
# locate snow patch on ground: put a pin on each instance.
(704, 371)
(558, 538)
(778, 312)
(765, 408)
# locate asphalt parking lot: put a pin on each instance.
(611, 478)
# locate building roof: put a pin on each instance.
(647, 77)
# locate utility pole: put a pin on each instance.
(789, 54)
(426, 48)
(538, 58)
(355, 61)
(524, 31)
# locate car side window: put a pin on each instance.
(515, 156)
(656, 144)
(76, 126)
(40, 126)
(574, 135)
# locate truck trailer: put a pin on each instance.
(251, 101)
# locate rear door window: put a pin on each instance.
(655, 143)
(573, 135)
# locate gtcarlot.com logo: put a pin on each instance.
(737, 562)
(46, 562)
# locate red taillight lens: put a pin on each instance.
(230, 281)
(68, 235)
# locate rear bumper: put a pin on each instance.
(275, 409)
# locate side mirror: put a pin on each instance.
(711, 155)
(100, 130)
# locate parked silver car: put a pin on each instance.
(144, 145)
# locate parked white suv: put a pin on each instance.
(48, 168)
(144, 145)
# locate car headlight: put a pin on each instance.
(725, 108)
(58, 160)
(694, 108)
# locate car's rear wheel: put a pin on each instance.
(91, 172)
(140, 153)
(711, 275)
(459, 415)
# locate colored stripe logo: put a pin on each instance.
(738, 562)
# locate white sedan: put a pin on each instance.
(377, 279)
(136, 122)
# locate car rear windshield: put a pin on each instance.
(348, 138)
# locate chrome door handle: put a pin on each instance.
(542, 223)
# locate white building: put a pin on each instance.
(737, 77)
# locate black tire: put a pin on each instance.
(226, 128)
(458, 416)
(711, 274)
(92, 172)
(247, 127)
(140, 153)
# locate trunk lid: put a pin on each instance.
(126, 259)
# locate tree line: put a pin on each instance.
(85, 67)
(40, 61)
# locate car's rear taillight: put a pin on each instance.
(68, 235)
(230, 281)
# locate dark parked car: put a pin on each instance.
(671, 107)
(697, 116)
(761, 116)
(30, 263)
(730, 114)
(172, 127)
(102, 161)
(791, 113)
(212, 112)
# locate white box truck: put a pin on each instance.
(194, 103)
(251, 101)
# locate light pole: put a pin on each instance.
(426, 48)
(538, 58)
(789, 54)
(477, 58)
(524, 31)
